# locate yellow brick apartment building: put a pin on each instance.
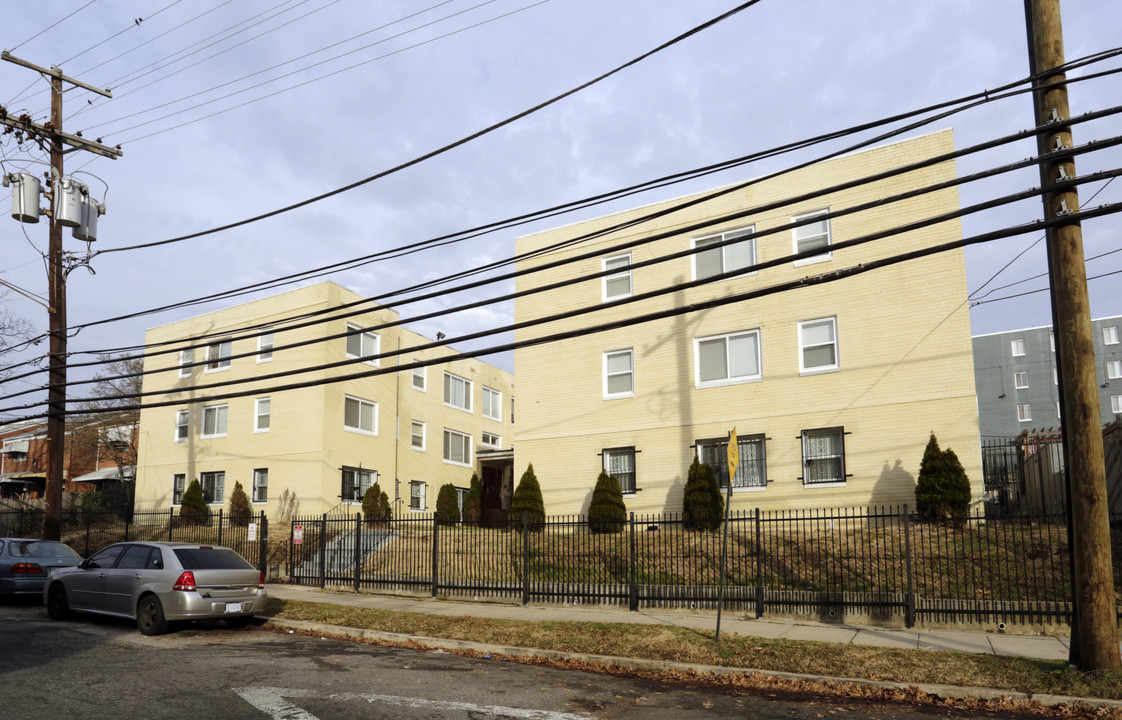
(833, 387)
(317, 434)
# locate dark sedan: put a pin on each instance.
(26, 562)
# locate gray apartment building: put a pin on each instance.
(1017, 384)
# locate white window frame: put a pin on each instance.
(218, 492)
(265, 347)
(178, 487)
(182, 425)
(361, 404)
(490, 439)
(186, 357)
(258, 414)
(727, 340)
(221, 414)
(1055, 376)
(1024, 412)
(807, 437)
(259, 492)
(450, 381)
(413, 435)
(627, 453)
(366, 340)
(797, 237)
(465, 446)
(630, 372)
(1017, 347)
(218, 356)
(1116, 404)
(1114, 369)
(419, 373)
(1020, 380)
(1110, 335)
(493, 409)
(1052, 340)
(611, 263)
(815, 370)
(418, 500)
(724, 250)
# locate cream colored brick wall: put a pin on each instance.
(307, 444)
(903, 343)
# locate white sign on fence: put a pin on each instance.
(252, 533)
(297, 534)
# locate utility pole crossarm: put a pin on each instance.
(25, 123)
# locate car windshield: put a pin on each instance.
(42, 548)
(211, 559)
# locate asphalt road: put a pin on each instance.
(103, 668)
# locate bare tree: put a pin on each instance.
(15, 333)
(110, 431)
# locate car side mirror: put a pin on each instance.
(85, 564)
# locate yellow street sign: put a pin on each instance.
(733, 454)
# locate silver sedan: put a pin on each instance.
(25, 563)
(158, 583)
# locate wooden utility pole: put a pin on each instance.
(56, 276)
(1095, 641)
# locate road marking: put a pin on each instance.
(271, 701)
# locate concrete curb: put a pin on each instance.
(940, 691)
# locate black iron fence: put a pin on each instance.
(881, 563)
(87, 532)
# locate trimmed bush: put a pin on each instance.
(527, 499)
(943, 488)
(607, 512)
(473, 501)
(193, 509)
(447, 509)
(702, 505)
(375, 505)
(240, 511)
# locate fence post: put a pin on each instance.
(87, 535)
(633, 599)
(759, 567)
(525, 558)
(435, 555)
(219, 527)
(323, 552)
(909, 597)
(263, 544)
(128, 522)
(358, 547)
(171, 521)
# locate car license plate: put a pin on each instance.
(233, 607)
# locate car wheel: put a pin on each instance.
(57, 607)
(239, 622)
(150, 618)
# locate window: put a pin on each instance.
(213, 484)
(265, 346)
(457, 448)
(812, 236)
(618, 374)
(182, 425)
(1017, 347)
(417, 435)
(178, 486)
(718, 260)
(214, 421)
(261, 485)
(218, 356)
(1110, 336)
(457, 392)
(818, 346)
(1055, 377)
(1020, 380)
(418, 377)
(491, 439)
(751, 470)
(1024, 412)
(416, 495)
(360, 415)
(262, 415)
(726, 359)
(492, 404)
(1116, 404)
(186, 357)
(617, 285)
(356, 482)
(361, 344)
(1114, 369)
(823, 456)
(1051, 341)
(620, 463)
(1058, 413)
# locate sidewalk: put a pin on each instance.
(1030, 646)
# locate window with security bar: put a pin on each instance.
(620, 463)
(356, 481)
(751, 470)
(823, 456)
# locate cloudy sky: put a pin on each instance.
(227, 110)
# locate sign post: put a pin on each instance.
(733, 453)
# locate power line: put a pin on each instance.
(51, 26)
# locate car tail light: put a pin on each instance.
(27, 568)
(261, 582)
(186, 581)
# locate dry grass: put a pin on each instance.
(656, 642)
